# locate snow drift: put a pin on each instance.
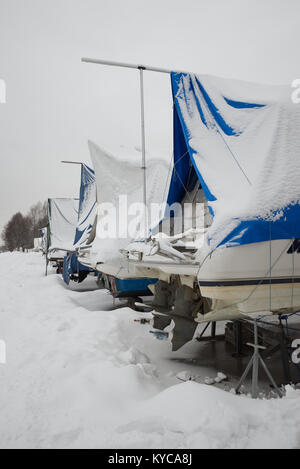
(77, 376)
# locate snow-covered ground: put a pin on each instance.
(80, 375)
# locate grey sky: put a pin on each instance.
(55, 103)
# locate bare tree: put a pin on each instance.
(38, 218)
(17, 233)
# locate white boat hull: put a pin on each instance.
(251, 278)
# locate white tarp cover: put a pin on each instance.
(37, 243)
(123, 177)
(63, 217)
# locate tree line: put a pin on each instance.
(20, 231)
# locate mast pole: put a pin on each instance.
(143, 140)
(72, 162)
(141, 69)
(127, 65)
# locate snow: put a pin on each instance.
(80, 375)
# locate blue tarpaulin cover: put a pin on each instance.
(132, 286)
(71, 266)
(242, 141)
(86, 217)
(87, 206)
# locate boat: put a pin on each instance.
(236, 148)
(73, 270)
(62, 222)
(237, 145)
(118, 182)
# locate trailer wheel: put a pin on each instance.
(131, 304)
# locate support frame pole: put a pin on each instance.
(244, 375)
(143, 141)
(128, 65)
(72, 162)
(255, 364)
(213, 329)
(141, 69)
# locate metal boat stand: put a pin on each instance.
(238, 340)
(254, 363)
(213, 336)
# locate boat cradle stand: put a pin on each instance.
(254, 363)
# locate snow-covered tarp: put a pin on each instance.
(37, 243)
(87, 206)
(87, 212)
(119, 183)
(244, 143)
(62, 217)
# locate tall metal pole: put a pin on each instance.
(255, 364)
(143, 140)
(141, 68)
(128, 65)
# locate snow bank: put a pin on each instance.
(78, 376)
(193, 415)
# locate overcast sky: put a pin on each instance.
(55, 103)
